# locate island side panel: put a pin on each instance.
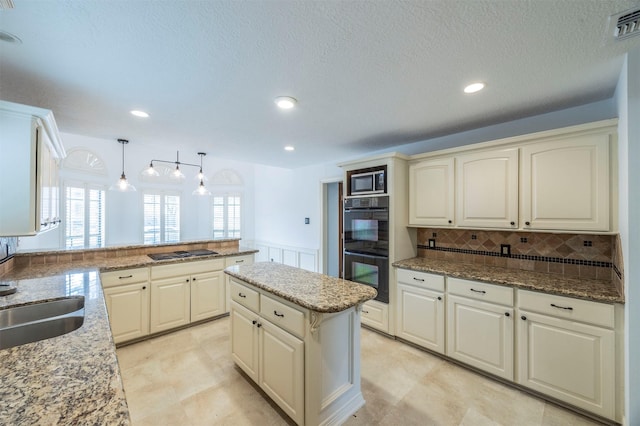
(332, 364)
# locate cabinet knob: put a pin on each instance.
(450, 221)
(439, 297)
(523, 318)
(507, 314)
(144, 287)
(259, 325)
(187, 280)
(254, 322)
(513, 223)
(527, 223)
(193, 279)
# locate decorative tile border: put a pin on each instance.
(524, 257)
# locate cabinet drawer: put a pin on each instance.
(186, 268)
(245, 296)
(421, 279)
(481, 291)
(124, 276)
(282, 315)
(246, 259)
(586, 311)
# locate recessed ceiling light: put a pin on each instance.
(474, 87)
(289, 148)
(139, 113)
(285, 102)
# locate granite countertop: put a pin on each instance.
(311, 290)
(590, 289)
(73, 378)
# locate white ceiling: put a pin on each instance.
(368, 74)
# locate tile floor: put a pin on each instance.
(188, 378)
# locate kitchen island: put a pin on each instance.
(297, 335)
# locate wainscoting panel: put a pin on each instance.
(298, 257)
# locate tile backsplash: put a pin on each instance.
(8, 247)
(572, 255)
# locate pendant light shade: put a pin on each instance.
(122, 184)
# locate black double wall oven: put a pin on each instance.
(366, 243)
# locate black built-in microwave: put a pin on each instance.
(367, 181)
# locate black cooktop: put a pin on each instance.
(180, 254)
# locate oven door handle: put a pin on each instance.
(371, 256)
(365, 209)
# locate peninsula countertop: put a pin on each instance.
(589, 289)
(73, 378)
(311, 290)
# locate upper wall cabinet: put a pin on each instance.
(558, 180)
(431, 197)
(565, 184)
(31, 152)
(487, 189)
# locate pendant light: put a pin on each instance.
(201, 190)
(177, 173)
(122, 184)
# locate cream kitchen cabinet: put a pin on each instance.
(31, 150)
(421, 309)
(565, 183)
(431, 192)
(270, 355)
(186, 292)
(245, 259)
(127, 296)
(487, 189)
(566, 349)
(376, 315)
(480, 326)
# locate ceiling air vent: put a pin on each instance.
(627, 24)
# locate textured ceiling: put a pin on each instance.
(368, 75)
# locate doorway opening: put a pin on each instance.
(332, 199)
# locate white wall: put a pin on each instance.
(628, 102)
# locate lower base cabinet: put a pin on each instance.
(127, 295)
(421, 318)
(480, 326)
(308, 363)
(273, 358)
(376, 315)
(563, 357)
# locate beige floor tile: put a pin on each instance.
(188, 378)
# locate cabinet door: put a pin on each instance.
(567, 360)
(487, 189)
(207, 295)
(281, 369)
(44, 177)
(170, 300)
(480, 334)
(431, 197)
(565, 184)
(244, 340)
(376, 315)
(128, 308)
(421, 317)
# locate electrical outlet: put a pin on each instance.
(505, 249)
(432, 243)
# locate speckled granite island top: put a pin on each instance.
(595, 290)
(311, 290)
(73, 378)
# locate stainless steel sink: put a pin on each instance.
(31, 323)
